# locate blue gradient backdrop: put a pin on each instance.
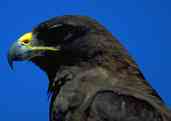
(143, 26)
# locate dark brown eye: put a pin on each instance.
(26, 38)
(26, 41)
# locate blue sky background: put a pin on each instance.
(143, 26)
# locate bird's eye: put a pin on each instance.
(26, 41)
(26, 38)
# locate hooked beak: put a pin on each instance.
(23, 50)
(16, 53)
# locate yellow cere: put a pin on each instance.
(26, 38)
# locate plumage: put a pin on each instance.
(91, 76)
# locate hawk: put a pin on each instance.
(91, 75)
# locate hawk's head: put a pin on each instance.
(66, 40)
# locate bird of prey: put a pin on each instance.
(91, 75)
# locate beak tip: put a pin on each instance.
(11, 66)
(10, 62)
